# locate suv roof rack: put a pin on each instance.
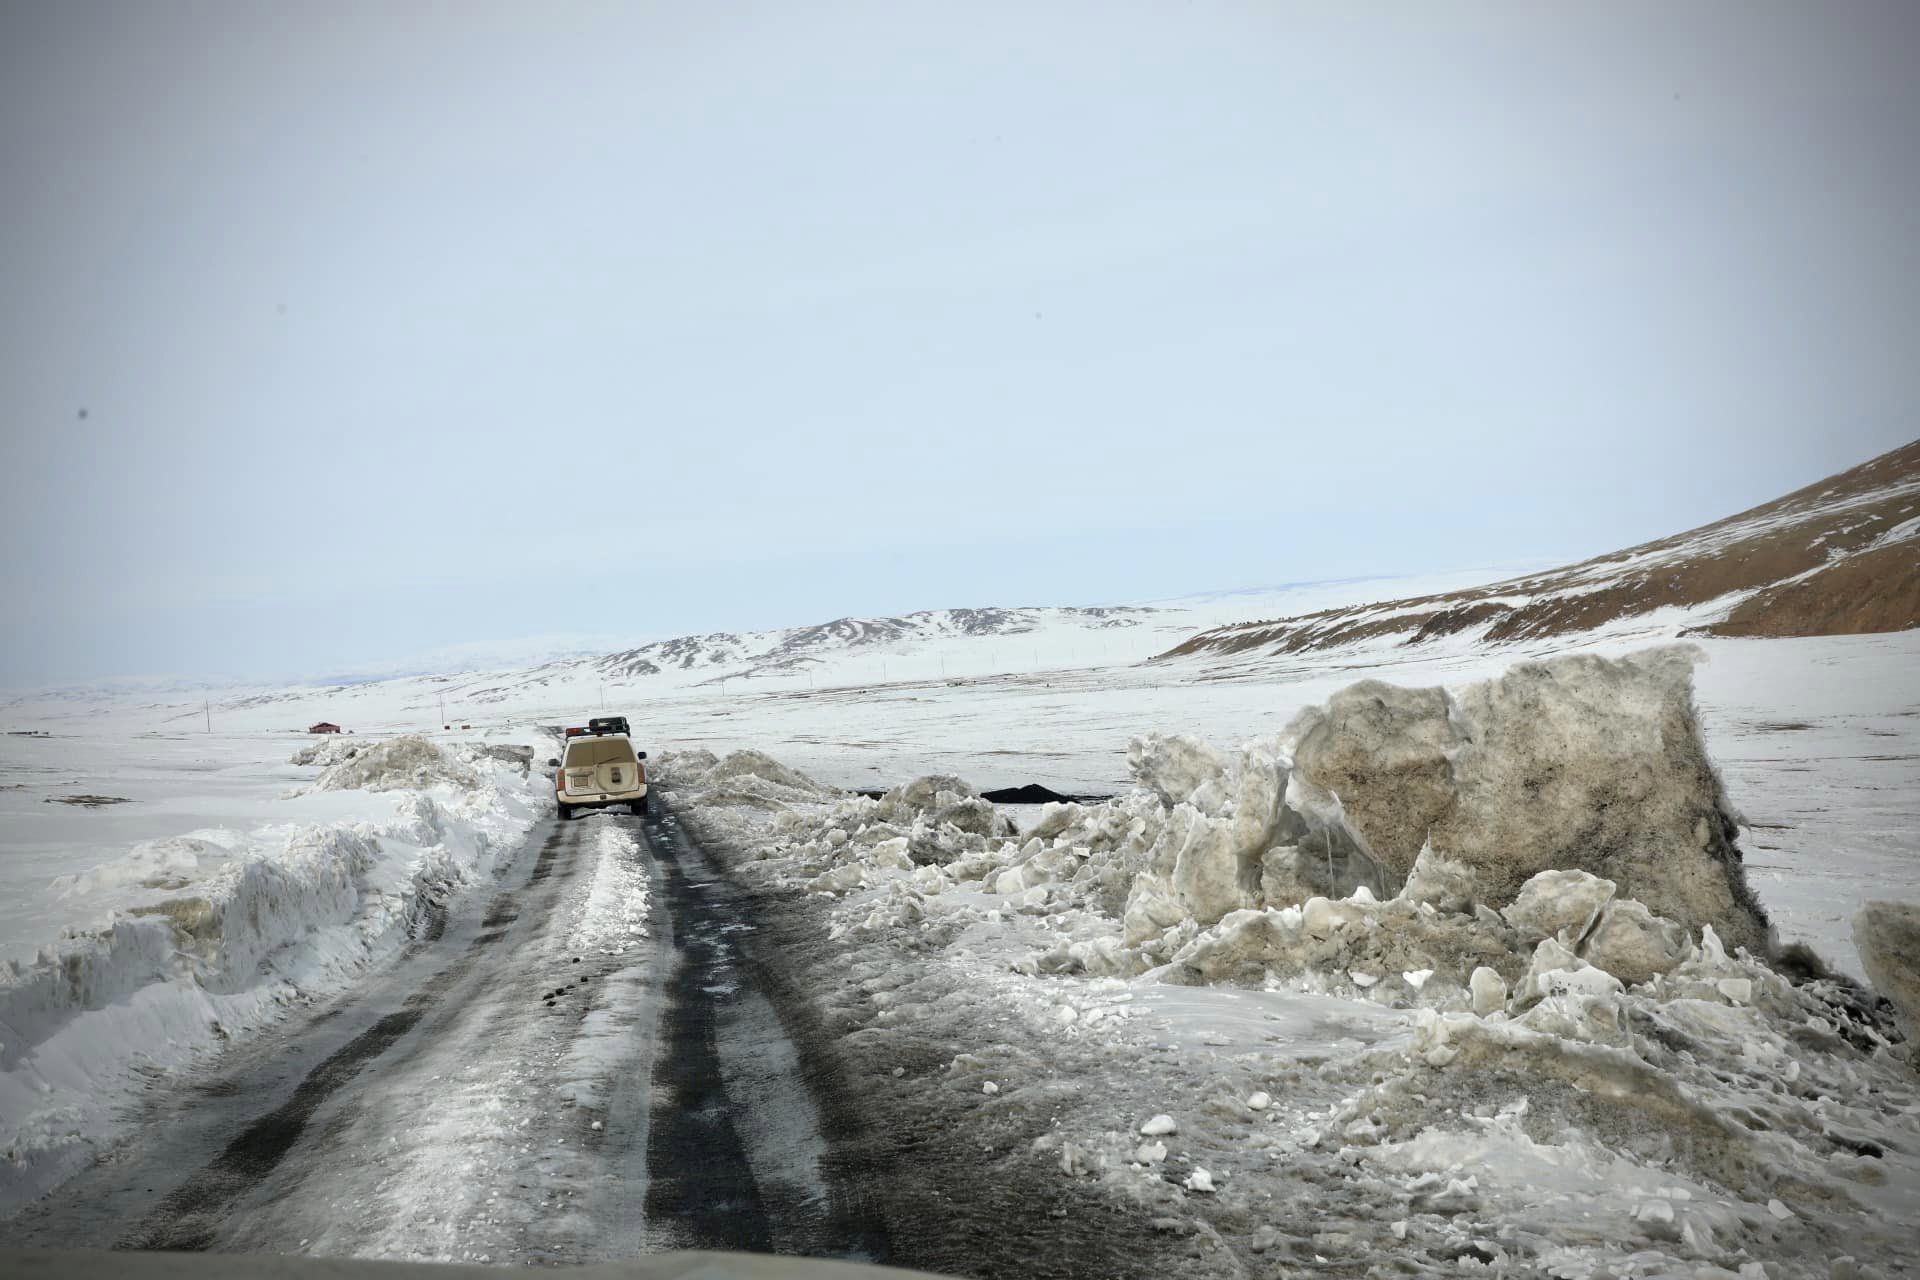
(599, 726)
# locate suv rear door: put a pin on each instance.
(606, 765)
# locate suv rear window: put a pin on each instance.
(583, 755)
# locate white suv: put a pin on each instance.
(599, 770)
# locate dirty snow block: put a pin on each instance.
(1212, 832)
(754, 779)
(757, 764)
(328, 750)
(1633, 944)
(398, 764)
(1489, 991)
(1579, 762)
(510, 754)
(1205, 859)
(1887, 935)
(1173, 766)
(1240, 950)
(682, 768)
(943, 799)
(1385, 751)
(1439, 881)
(1555, 969)
(1559, 904)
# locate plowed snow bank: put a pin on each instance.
(256, 922)
(1538, 873)
(409, 763)
(1577, 762)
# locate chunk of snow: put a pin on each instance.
(1556, 970)
(1201, 1180)
(1159, 1126)
(1560, 904)
(989, 1087)
(1887, 935)
(1489, 991)
(405, 763)
(1150, 1152)
(1633, 944)
(1260, 1101)
(1443, 883)
(1580, 762)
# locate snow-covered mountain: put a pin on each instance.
(1840, 557)
(939, 645)
(798, 648)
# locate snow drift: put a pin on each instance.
(252, 924)
(1888, 937)
(1579, 762)
(1538, 873)
(395, 764)
(1431, 805)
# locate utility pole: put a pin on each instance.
(209, 711)
(443, 708)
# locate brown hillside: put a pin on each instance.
(1839, 557)
(1877, 590)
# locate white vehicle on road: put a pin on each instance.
(600, 769)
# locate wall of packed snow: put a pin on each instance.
(243, 931)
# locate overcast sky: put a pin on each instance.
(331, 333)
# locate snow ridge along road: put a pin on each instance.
(580, 1067)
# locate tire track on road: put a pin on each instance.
(744, 1150)
(190, 1217)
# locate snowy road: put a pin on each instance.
(583, 1065)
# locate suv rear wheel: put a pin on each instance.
(566, 811)
(639, 807)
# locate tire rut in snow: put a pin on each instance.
(953, 1185)
(747, 1148)
(701, 1190)
(190, 1217)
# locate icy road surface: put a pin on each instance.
(581, 1066)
